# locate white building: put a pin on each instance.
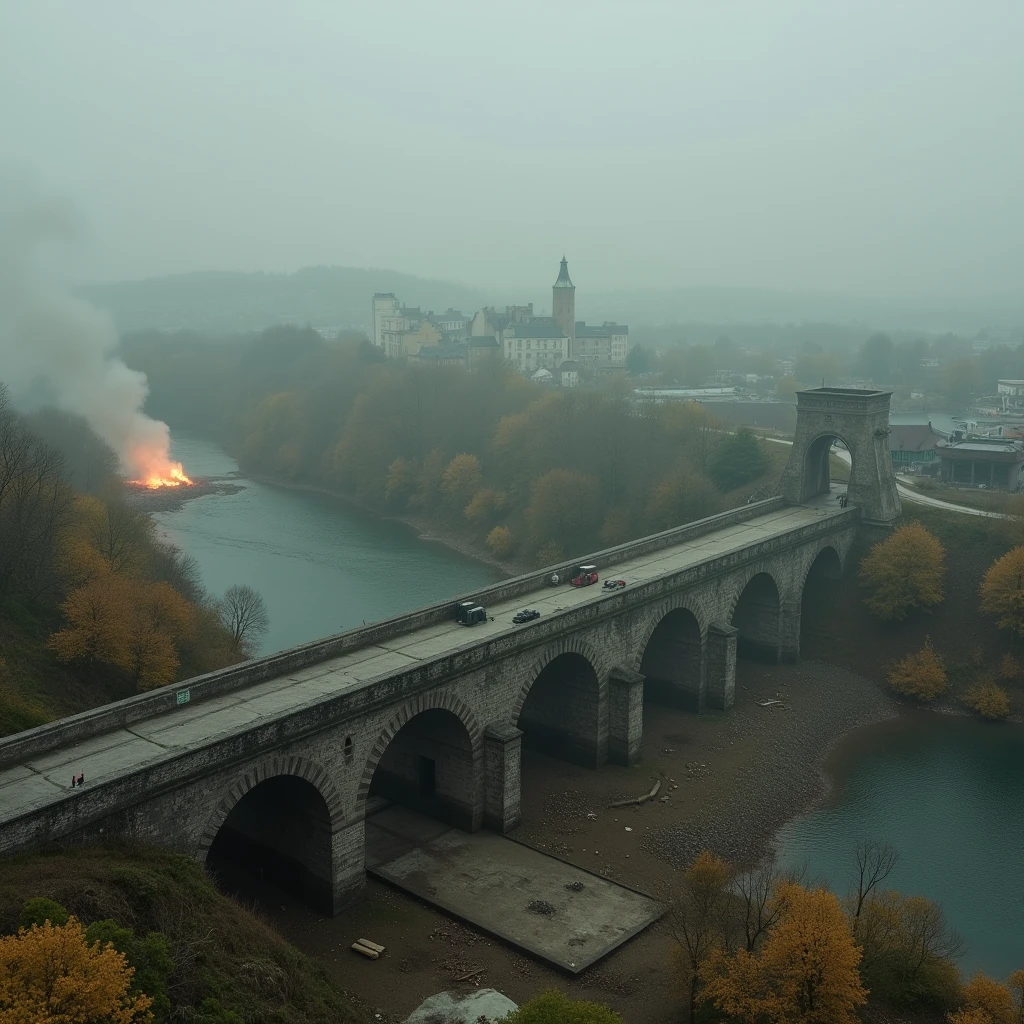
(537, 343)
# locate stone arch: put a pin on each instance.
(756, 611)
(569, 645)
(817, 598)
(658, 612)
(833, 571)
(562, 706)
(860, 418)
(671, 656)
(300, 767)
(427, 702)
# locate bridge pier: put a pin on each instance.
(348, 865)
(625, 715)
(721, 676)
(502, 783)
(789, 631)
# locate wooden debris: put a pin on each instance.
(470, 974)
(639, 799)
(370, 954)
(768, 703)
(372, 945)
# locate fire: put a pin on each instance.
(170, 475)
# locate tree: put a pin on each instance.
(994, 1000)
(1002, 592)
(554, 1007)
(461, 480)
(757, 910)
(1015, 983)
(499, 540)
(874, 862)
(564, 508)
(697, 916)
(244, 615)
(484, 504)
(161, 621)
(401, 481)
(806, 969)
(921, 674)
(988, 700)
(739, 459)
(680, 497)
(878, 358)
(51, 974)
(149, 957)
(98, 616)
(968, 1016)
(637, 360)
(903, 572)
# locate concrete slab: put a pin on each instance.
(559, 913)
(484, 1006)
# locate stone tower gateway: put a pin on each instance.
(563, 304)
(860, 419)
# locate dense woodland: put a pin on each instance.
(536, 473)
(93, 606)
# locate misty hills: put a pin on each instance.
(337, 297)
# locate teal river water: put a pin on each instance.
(320, 565)
(947, 792)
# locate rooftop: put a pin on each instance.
(913, 437)
(562, 281)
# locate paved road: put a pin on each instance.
(909, 494)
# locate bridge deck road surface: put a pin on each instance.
(37, 781)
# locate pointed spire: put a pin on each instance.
(563, 275)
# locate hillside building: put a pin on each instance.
(989, 462)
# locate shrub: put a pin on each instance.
(903, 572)
(41, 910)
(1010, 669)
(988, 700)
(739, 459)
(554, 1007)
(991, 998)
(1002, 591)
(500, 541)
(921, 675)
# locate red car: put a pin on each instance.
(586, 576)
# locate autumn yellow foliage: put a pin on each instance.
(994, 1000)
(806, 970)
(50, 974)
(1002, 591)
(903, 572)
(500, 541)
(921, 674)
(988, 700)
(969, 1016)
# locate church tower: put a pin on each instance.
(563, 305)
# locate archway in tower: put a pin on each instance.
(757, 617)
(671, 663)
(429, 767)
(561, 716)
(278, 834)
(819, 603)
(827, 455)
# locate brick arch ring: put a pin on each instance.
(840, 554)
(570, 645)
(738, 592)
(428, 702)
(300, 767)
(658, 613)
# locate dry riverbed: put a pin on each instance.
(731, 780)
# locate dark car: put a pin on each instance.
(613, 584)
(526, 615)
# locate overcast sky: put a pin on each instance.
(862, 146)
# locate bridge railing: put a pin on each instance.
(121, 714)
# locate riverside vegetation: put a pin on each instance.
(93, 607)
(533, 474)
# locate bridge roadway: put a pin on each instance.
(36, 781)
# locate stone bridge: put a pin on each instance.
(278, 761)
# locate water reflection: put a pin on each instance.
(948, 793)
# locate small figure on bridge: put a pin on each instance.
(74, 781)
(81, 778)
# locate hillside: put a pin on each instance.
(230, 967)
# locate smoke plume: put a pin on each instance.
(56, 349)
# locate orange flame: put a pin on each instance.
(171, 475)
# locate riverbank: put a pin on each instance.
(424, 528)
(731, 779)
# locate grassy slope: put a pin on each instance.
(221, 950)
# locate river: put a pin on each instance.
(321, 565)
(948, 793)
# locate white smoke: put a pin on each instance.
(57, 349)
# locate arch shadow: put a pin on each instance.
(818, 599)
(560, 710)
(672, 662)
(817, 468)
(757, 617)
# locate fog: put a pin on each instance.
(859, 146)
